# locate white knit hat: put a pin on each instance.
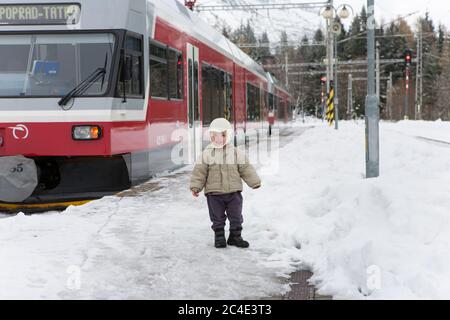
(220, 125)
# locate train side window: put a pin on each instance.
(166, 72)
(257, 111)
(228, 112)
(206, 95)
(158, 72)
(217, 94)
(253, 103)
(282, 110)
(265, 105)
(249, 102)
(131, 69)
(175, 72)
(271, 102)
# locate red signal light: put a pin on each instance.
(408, 57)
(190, 4)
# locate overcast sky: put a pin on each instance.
(390, 9)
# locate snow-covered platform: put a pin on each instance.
(362, 239)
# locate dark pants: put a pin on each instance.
(230, 203)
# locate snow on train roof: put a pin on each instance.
(177, 14)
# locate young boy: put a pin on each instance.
(220, 172)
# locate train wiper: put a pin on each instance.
(83, 86)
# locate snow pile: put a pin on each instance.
(379, 239)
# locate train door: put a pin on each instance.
(195, 128)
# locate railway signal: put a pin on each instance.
(190, 4)
(408, 57)
(323, 82)
(408, 60)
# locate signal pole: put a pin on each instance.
(389, 97)
(350, 97)
(419, 75)
(323, 81)
(408, 59)
(372, 103)
(336, 83)
(378, 69)
(329, 40)
(406, 117)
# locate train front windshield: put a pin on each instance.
(51, 65)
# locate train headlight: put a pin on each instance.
(86, 133)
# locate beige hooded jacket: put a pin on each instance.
(221, 171)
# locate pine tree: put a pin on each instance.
(310, 90)
(441, 39)
(304, 52)
(341, 45)
(246, 35)
(363, 17)
(431, 67)
(226, 31)
(442, 107)
(319, 53)
(356, 47)
(263, 52)
(251, 39)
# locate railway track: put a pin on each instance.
(434, 141)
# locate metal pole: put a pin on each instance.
(372, 109)
(406, 111)
(324, 108)
(350, 97)
(391, 81)
(323, 102)
(419, 75)
(331, 51)
(389, 103)
(378, 70)
(303, 110)
(336, 81)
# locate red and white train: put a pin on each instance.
(93, 92)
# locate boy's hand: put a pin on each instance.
(195, 193)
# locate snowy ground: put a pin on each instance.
(430, 130)
(377, 239)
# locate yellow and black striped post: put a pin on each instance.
(330, 107)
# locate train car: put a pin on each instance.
(98, 96)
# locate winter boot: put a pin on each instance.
(219, 239)
(235, 239)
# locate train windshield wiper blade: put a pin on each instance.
(83, 86)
